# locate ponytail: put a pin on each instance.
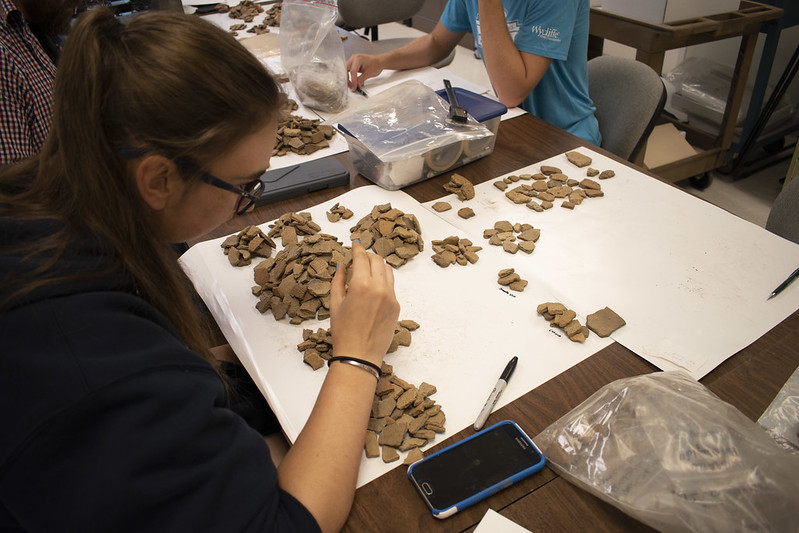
(168, 83)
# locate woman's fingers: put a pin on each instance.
(364, 315)
(338, 287)
(360, 258)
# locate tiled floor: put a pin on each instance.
(750, 198)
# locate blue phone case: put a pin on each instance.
(463, 504)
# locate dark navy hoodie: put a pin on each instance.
(110, 423)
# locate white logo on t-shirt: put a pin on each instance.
(550, 34)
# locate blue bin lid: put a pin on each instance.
(477, 105)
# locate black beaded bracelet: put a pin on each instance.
(360, 363)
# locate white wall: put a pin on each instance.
(671, 59)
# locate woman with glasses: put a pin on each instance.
(114, 417)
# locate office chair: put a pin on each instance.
(629, 97)
(783, 219)
(368, 14)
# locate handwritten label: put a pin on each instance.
(508, 293)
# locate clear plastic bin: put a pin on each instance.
(427, 144)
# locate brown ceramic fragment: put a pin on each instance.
(297, 280)
(392, 234)
(300, 135)
(413, 456)
(460, 186)
(248, 243)
(466, 212)
(562, 319)
(577, 337)
(409, 324)
(546, 197)
(389, 454)
(509, 278)
(454, 250)
(338, 212)
(548, 170)
(393, 434)
(505, 234)
(604, 322)
(578, 159)
(517, 197)
(371, 446)
(410, 443)
(605, 174)
(539, 186)
(559, 316)
(518, 285)
(313, 359)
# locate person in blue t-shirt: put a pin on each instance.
(535, 53)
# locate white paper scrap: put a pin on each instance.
(493, 522)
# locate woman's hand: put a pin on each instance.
(364, 314)
(319, 470)
(361, 67)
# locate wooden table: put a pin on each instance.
(545, 502)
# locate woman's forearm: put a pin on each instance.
(513, 74)
(321, 468)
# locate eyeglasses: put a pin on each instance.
(247, 194)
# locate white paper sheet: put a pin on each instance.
(469, 327)
(690, 279)
(493, 522)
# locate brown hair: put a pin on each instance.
(170, 83)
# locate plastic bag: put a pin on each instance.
(781, 418)
(312, 54)
(668, 452)
(700, 87)
(403, 135)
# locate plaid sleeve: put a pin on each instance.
(15, 133)
(26, 92)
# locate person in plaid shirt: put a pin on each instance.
(30, 33)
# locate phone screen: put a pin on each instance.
(464, 472)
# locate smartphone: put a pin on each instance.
(470, 470)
